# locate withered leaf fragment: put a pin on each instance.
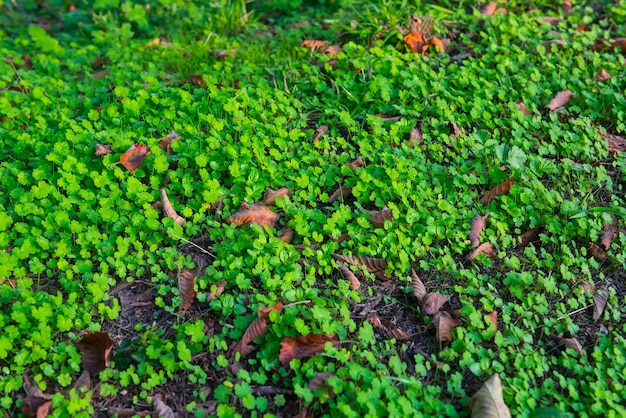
(332, 50)
(256, 329)
(95, 350)
(432, 302)
(488, 401)
(373, 265)
(484, 248)
(166, 142)
(378, 217)
(319, 132)
(356, 163)
(560, 100)
(102, 149)
(161, 408)
(341, 192)
(476, 226)
(133, 158)
(319, 382)
(616, 143)
(598, 252)
(304, 346)
(37, 404)
(493, 318)
(522, 108)
(488, 9)
(257, 213)
(417, 39)
(531, 235)
(220, 285)
(415, 138)
(186, 281)
(502, 188)
(418, 288)
(600, 298)
(387, 328)
(169, 209)
(602, 75)
(271, 195)
(608, 233)
(443, 324)
(83, 381)
(314, 44)
(605, 45)
(573, 344)
(355, 284)
(286, 234)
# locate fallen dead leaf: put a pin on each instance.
(169, 210)
(573, 344)
(220, 285)
(286, 234)
(83, 381)
(531, 235)
(257, 213)
(602, 75)
(102, 149)
(36, 404)
(271, 195)
(186, 289)
(488, 9)
(484, 248)
(373, 265)
(304, 346)
(95, 350)
(314, 44)
(432, 302)
(378, 217)
(418, 288)
(598, 252)
(332, 50)
(616, 143)
(476, 226)
(134, 156)
(502, 188)
(161, 408)
(256, 329)
(415, 138)
(356, 163)
(341, 192)
(522, 108)
(609, 232)
(443, 324)
(600, 298)
(560, 100)
(387, 328)
(567, 7)
(355, 284)
(488, 401)
(610, 46)
(319, 382)
(165, 143)
(493, 318)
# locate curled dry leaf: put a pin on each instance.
(373, 265)
(83, 381)
(219, 289)
(186, 281)
(432, 302)
(419, 290)
(304, 346)
(502, 188)
(488, 9)
(573, 344)
(484, 248)
(492, 317)
(355, 284)
(616, 143)
(314, 44)
(454, 129)
(253, 214)
(378, 217)
(598, 252)
(102, 149)
(95, 350)
(169, 209)
(488, 401)
(522, 108)
(387, 328)
(605, 45)
(271, 195)
(476, 226)
(319, 132)
(600, 298)
(166, 142)
(256, 329)
(560, 100)
(332, 50)
(133, 158)
(319, 382)
(602, 75)
(161, 408)
(341, 192)
(608, 233)
(356, 163)
(415, 138)
(37, 404)
(531, 235)
(286, 234)
(443, 324)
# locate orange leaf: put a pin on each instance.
(419, 290)
(355, 284)
(437, 44)
(319, 132)
(161, 408)
(169, 210)
(166, 142)
(416, 42)
(443, 324)
(608, 233)
(378, 217)
(341, 192)
(598, 252)
(531, 235)
(185, 286)
(304, 346)
(560, 100)
(501, 188)
(602, 75)
(387, 328)
(314, 44)
(286, 234)
(253, 214)
(133, 158)
(488, 9)
(432, 302)
(476, 226)
(373, 265)
(616, 143)
(271, 195)
(356, 163)
(485, 248)
(256, 329)
(95, 349)
(102, 149)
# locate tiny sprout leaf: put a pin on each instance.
(502, 188)
(432, 302)
(573, 344)
(476, 226)
(600, 298)
(169, 210)
(95, 349)
(488, 401)
(304, 346)
(271, 195)
(419, 290)
(560, 100)
(249, 214)
(443, 324)
(185, 286)
(484, 248)
(102, 149)
(161, 408)
(547, 412)
(355, 284)
(133, 158)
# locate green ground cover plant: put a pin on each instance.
(446, 237)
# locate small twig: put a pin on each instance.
(297, 303)
(575, 312)
(195, 245)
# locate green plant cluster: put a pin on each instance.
(73, 225)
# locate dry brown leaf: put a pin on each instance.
(31, 389)
(257, 214)
(286, 234)
(224, 53)
(598, 252)
(443, 323)
(567, 7)
(304, 346)
(415, 138)
(256, 329)
(83, 381)
(161, 408)
(438, 44)
(418, 288)
(186, 281)
(502, 188)
(605, 45)
(454, 129)
(476, 226)
(600, 298)
(341, 192)
(220, 285)
(616, 143)
(36, 407)
(432, 302)
(95, 350)
(387, 328)
(531, 235)
(608, 233)
(560, 100)
(522, 108)
(314, 44)
(488, 401)
(332, 50)
(97, 75)
(373, 265)
(169, 209)
(573, 344)
(319, 132)
(127, 412)
(198, 80)
(166, 142)
(102, 149)
(489, 9)
(356, 163)
(319, 382)
(493, 318)
(484, 248)
(271, 195)
(133, 158)
(355, 284)
(378, 217)
(602, 75)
